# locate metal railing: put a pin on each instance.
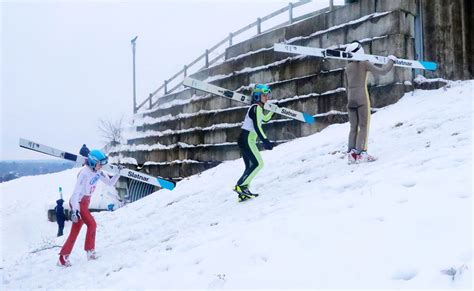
(137, 190)
(210, 61)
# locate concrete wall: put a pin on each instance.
(190, 143)
(448, 33)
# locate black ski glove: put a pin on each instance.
(268, 145)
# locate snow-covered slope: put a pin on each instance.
(404, 221)
(24, 205)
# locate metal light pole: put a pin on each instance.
(134, 86)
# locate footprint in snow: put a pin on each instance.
(378, 219)
(198, 261)
(464, 195)
(217, 282)
(455, 272)
(408, 184)
(405, 275)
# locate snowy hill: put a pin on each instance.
(404, 221)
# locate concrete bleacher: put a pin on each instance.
(189, 131)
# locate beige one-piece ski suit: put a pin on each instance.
(358, 101)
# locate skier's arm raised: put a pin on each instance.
(379, 70)
(266, 117)
(109, 181)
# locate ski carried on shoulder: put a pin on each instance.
(80, 160)
(342, 55)
(216, 90)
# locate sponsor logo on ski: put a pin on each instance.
(291, 48)
(284, 111)
(33, 145)
(405, 63)
(137, 176)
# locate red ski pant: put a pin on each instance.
(86, 218)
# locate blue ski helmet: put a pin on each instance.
(96, 156)
(257, 92)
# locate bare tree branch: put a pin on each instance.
(112, 130)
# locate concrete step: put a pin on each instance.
(291, 68)
(336, 101)
(354, 29)
(324, 103)
(280, 90)
(226, 142)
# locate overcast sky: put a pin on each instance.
(68, 64)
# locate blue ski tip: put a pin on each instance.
(308, 118)
(166, 184)
(429, 65)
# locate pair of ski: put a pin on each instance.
(80, 160)
(342, 55)
(219, 91)
(302, 50)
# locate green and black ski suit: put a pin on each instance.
(251, 128)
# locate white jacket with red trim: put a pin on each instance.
(86, 182)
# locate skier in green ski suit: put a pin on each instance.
(251, 129)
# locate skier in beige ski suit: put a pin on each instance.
(358, 102)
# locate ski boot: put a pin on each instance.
(364, 157)
(244, 193)
(64, 261)
(92, 255)
(352, 156)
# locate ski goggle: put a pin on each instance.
(265, 90)
(102, 162)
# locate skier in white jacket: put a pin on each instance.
(86, 183)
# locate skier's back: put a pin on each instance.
(358, 102)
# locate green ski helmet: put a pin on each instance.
(257, 92)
